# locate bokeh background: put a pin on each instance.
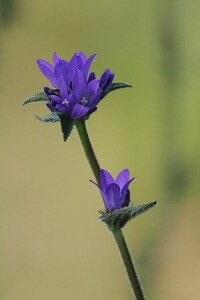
(52, 245)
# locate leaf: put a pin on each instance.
(67, 125)
(118, 218)
(35, 98)
(52, 118)
(118, 85)
(115, 86)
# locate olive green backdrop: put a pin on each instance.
(52, 245)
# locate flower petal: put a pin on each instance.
(57, 60)
(104, 78)
(79, 111)
(61, 73)
(88, 64)
(124, 190)
(105, 200)
(56, 98)
(113, 200)
(72, 100)
(91, 77)
(95, 100)
(82, 56)
(92, 88)
(72, 65)
(62, 108)
(80, 62)
(79, 83)
(41, 62)
(78, 80)
(122, 178)
(109, 81)
(47, 90)
(50, 106)
(105, 179)
(48, 71)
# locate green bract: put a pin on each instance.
(120, 217)
(67, 123)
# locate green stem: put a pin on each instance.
(118, 235)
(87, 146)
(119, 238)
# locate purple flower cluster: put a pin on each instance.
(77, 91)
(114, 192)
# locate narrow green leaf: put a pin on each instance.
(67, 125)
(52, 118)
(118, 85)
(35, 98)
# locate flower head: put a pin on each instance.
(114, 191)
(77, 91)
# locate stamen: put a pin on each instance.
(84, 101)
(66, 102)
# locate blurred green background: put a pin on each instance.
(52, 245)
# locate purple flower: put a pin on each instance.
(114, 192)
(77, 91)
(52, 72)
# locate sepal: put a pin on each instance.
(67, 125)
(52, 118)
(118, 85)
(35, 98)
(120, 217)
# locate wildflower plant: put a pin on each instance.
(73, 94)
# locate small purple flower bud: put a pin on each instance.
(106, 80)
(115, 192)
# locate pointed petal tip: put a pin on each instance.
(125, 170)
(94, 55)
(39, 61)
(105, 178)
(103, 171)
(55, 56)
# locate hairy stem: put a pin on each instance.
(87, 146)
(119, 238)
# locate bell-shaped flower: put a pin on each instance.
(114, 191)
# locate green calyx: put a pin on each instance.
(119, 218)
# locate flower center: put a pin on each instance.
(84, 101)
(65, 102)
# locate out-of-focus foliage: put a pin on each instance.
(8, 10)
